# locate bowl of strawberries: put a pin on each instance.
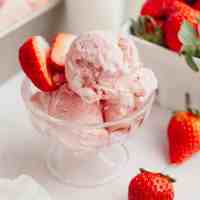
(167, 36)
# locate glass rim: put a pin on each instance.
(26, 93)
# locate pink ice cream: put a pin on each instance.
(103, 66)
(105, 82)
(139, 86)
(95, 61)
(66, 105)
(129, 50)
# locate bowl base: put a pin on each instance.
(86, 169)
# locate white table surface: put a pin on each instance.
(22, 151)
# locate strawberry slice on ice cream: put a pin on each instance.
(60, 47)
(33, 59)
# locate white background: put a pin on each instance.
(22, 151)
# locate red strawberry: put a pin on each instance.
(33, 59)
(196, 5)
(190, 2)
(178, 6)
(156, 8)
(151, 186)
(60, 47)
(180, 13)
(59, 78)
(183, 136)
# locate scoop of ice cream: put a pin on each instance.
(68, 106)
(115, 109)
(129, 50)
(65, 104)
(144, 83)
(42, 101)
(137, 88)
(95, 61)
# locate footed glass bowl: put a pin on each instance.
(84, 155)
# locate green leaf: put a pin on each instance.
(139, 28)
(187, 34)
(156, 37)
(189, 49)
(190, 61)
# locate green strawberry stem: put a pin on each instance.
(187, 101)
(195, 112)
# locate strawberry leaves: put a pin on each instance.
(187, 34)
(149, 29)
(195, 112)
(191, 44)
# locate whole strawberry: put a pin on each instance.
(178, 13)
(151, 186)
(157, 8)
(184, 136)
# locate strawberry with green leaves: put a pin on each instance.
(149, 29)
(184, 136)
(151, 186)
(181, 12)
(157, 8)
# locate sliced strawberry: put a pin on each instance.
(60, 47)
(33, 59)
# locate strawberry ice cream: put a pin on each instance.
(66, 105)
(95, 61)
(102, 66)
(102, 80)
(88, 92)
(129, 50)
(139, 86)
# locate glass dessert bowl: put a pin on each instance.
(84, 155)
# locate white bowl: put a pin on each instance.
(175, 77)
